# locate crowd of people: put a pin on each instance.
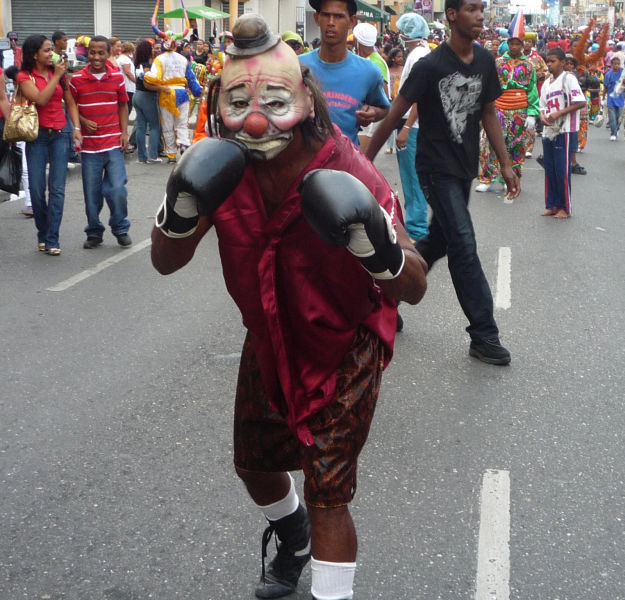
(161, 118)
(316, 250)
(149, 75)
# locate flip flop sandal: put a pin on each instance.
(53, 251)
(41, 246)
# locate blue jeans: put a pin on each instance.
(451, 233)
(49, 147)
(146, 113)
(414, 201)
(104, 177)
(614, 114)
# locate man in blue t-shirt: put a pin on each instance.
(353, 87)
(613, 89)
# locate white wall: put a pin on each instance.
(280, 16)
(5, 7)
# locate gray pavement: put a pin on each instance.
(116, 478)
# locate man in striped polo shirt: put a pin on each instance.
(100, 94)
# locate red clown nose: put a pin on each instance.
(255, 125)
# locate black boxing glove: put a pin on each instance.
(204, 177)
(343, 212)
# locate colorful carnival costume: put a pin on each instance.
(517, 109)
(593, 82)
(584, 63)
(540, 67)
(171, 70)
(582, 132)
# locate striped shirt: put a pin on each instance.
(99, 100)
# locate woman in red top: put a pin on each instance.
(45, 84)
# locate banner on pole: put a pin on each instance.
(554, 13)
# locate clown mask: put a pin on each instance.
(263, 98)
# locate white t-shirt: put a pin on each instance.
(557, 94)
(124, 59)
(415, 54)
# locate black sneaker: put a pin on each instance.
(123, 239)
(92, 242)
(578, 169)
(490, 351)
(281, 576)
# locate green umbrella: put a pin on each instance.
(195, 12)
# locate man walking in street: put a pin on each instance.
(102, 102)
(455, 87)
(353, 86)
(613, 90)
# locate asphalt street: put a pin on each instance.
(116, 478)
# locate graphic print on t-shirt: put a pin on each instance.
(459, 97)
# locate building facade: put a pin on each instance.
(129, 19)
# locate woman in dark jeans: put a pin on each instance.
(45, 84)
(146, 108)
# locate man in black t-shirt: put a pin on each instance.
(455, 87)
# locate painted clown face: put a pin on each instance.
(263, 98)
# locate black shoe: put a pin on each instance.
(541, 161)
(490, 351)
(578, 169)
(281, 576)
(123, 239)
(92, 242)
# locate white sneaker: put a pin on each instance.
(528, 155)
(155, 160)
(20, 196)
(613, 138)
(482, 187)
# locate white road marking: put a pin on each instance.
(503, 295)
(105, 264)
(493, 553)
(231, 356)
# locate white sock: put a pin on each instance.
(332, 581)
(282, 508)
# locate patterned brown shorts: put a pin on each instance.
(264, 442)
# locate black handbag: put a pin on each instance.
(10, 167)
